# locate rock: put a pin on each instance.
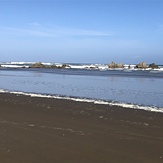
(40, 65)
(37, 65)
(53, 66)
(63, 66)
(113, 65)
(120, 65)
(153, 66)
(141, 65)
(92, 67)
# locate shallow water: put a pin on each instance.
(135, 87)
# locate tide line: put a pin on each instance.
(98, 102)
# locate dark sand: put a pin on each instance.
(39, 130)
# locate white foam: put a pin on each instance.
(14, 66)
(47, 63)
(79, 66)
(3, 91)
(20, 63)
(99, 102)
(101, 67)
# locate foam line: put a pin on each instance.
(99, 102)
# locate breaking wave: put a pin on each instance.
(101, 67)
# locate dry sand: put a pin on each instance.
(40, 130)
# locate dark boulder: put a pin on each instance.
(153, 66)
(40, 65)
(63, 66)
(37, 65)
(53, 66)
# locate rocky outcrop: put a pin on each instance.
(113, 65)
(62, 66)
(153, 66)
(65, 66)
(142, 65)
(120, 65)
(37, 65)
(40, 65)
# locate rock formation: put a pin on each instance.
(120, 65)
(62, 66)
(113, 65)
(141, 65)
(153, 66)
(37, 65)
(40, 65)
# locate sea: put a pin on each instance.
(94, 83)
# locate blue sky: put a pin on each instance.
(89, 31)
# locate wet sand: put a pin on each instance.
(40, 130)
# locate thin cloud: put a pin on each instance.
(81, 32)
(160, 27)
(50, 32)
(24, 32)
(35, 24)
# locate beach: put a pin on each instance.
(39, 130)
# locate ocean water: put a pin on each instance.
(96, 83)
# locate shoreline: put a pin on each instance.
(34, 129)
(87, 100)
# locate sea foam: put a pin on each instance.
(79, 66)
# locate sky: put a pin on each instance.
(81, 31)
